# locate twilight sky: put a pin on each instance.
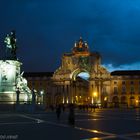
(48, 28)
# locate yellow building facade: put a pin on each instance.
(125, 88)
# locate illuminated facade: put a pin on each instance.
(125, 88)
(65, 85)
(43, 84)
(73, 63)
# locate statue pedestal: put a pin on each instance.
(9, 72)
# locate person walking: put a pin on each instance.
(58, 112)
(71, 116)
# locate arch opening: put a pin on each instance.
(83, 75)
(80, 87)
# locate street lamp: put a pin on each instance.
(41, 96)
(105, 98)
(137, 102)
(105, 102)
(95, 94)
(94, 97)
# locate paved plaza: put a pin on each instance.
(103, 124)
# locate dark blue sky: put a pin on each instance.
(48, 28)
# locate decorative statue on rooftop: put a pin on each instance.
(10, 41)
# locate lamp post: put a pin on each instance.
(93, 101)
(42, 96)
(94, 96)
(137, 103)
(105, 101)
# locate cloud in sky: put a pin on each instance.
(48, 28)
(111, 68)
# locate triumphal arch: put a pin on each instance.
(69, 87)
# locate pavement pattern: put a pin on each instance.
(103, 124)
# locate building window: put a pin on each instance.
(123, 82)
(123, 89)
(115, 82)
(115, 90)
(132, 90)
(132, 82)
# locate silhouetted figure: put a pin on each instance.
(94, 107)
(17, 107)
(63, 107)
(33, 97)
(71, 116)
(58, 111)
(33, 100)
(17, 92)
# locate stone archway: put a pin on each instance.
(76, 72)
(80, 87)
(72, 88)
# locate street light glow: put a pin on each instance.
(95, 94)
(41, 92)
(137, 101)
(105, 99)
(95, 131)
